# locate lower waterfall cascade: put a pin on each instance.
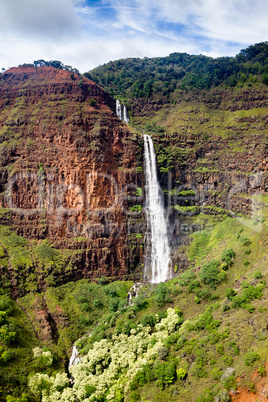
(157, 260)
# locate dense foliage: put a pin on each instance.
(134, 77)
(110, 366)
(51, 63)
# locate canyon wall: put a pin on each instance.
(68, 169)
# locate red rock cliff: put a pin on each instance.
(67, 163)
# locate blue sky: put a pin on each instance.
(87, 33)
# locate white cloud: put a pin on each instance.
(38, 19)
(86, 33)
(229, 20)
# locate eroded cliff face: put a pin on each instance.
(212, 151)
(68, 165)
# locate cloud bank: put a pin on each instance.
(87, 33)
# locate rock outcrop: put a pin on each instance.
(67, 167)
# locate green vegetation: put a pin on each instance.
(92, 102)
(178, 339)
(202, 310)
(164, 76)
(52, 63)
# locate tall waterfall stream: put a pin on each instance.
(158, 252)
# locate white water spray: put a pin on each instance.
(121, 112)
(118, 109)
(75, 358)
(125, 114)
(158, 252)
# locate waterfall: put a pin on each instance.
(118, 109)
(121, 112)
(125, 114)
(158, 252)
(74, 359)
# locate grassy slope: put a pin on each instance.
(246, 329)
(90, 307)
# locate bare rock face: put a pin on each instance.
(67, 163)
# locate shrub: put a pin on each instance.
(253, 292)
(171, 340)
(224, 266)
(230, 383)
(206, 320)
(257, 275)
(165, 372)
(92, 102)
(262, 371)
(181, 374)
(216, 373)
(186, 278)
(245, 241)
(114, 304)
(3, 317)
(246, 263)
(97, 303)
(230, 293)
(90, 389)
(235, 347)
(181, 342)
(140, 303)
(163, 353)
(6, 335)
(176, 291)
(102, 280)
(85, 320)
(203, 294)
(214, 296)
(250, 358)
(134, 396)
(22, 398)
(86, 307)
(250, 308)
(249, 293)
(228, 360)
(112, 293)
(199, 371)
(208, 395)
(251, 387)
(220, 349)
(193, 285)
(149, 319)
(6, 304)
(265, 78)
(124, 327)
(228, 256)
(162, 294)
(5, 356)
(211, 275)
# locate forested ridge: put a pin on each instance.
(161, 76)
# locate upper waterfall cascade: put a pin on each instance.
(157, 264)
(121, 112)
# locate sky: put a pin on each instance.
(88, 33)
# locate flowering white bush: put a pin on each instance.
(109, 366)
(43, 357)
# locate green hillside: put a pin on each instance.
(163, 76)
